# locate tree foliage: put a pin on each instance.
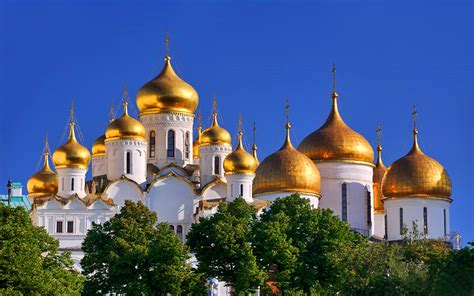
(30, 263)
(222, 246)
(132, 254)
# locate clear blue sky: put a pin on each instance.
(252, 55)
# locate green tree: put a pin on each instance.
(222, 246)
(302, 248)
(30, 263)
(133, 254)
(457, 278)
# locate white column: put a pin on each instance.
(379, 224)
(117, 150)
(207, 162)
(239, 185)
(71, 181)
(161, 124)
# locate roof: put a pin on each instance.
(17, 201)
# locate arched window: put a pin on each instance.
(425, 220)
(172, 227)
(401, 221)
(241, 189)
(369, 206)
(129, 162)
(444, 221)
(171, 144)
(72, 184)
(344, 202)
(217, 162)
(179, 232)
(152, 144)
(386, 227)
(62, 184)
(187, 144)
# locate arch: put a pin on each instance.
(128, 162)
(179, 232)
(217, 168)
(170, 147)
(187, 145)
(72, 184)
(425, 220)
(401, 221)
(152, 144)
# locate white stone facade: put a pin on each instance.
(126, 158)
(99, 165)
(239, 185)
(212, 161)
(71, 181)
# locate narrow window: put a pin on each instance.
(152, 144)
(231, 189)
(425, 220)
(59, 226)
(344, 202)
(70, 226)
(369, 205)
(179, 232)
(129, 162)
(386, 227)
(217, 165)
(62, 184)
(172, 227)
(241, 189)
(187, 146)
(401, 221)
(170, 149)
(72, 184)
(444, 221)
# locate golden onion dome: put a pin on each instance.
(167, 93)
(125, 128)
(71, 154)
(44, 182)
(416, 175)
(196, 143)
(287, 170)
(379, 172)
(98, 148)
(335, 141)
(215, 135)
(240, 161)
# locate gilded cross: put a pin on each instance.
(334, 77)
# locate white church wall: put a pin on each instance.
(121, 190)
(207, 158)
(99, 165)
(71, 181)
(116, 151)
(239, 185)
(379, 225)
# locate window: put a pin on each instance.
(129, 163)
(369, 206)
(344, 202)
(179, 232)
(444, 220)
(170, 148)
(62, 184)
(186, 146)
(386, 227)
(172, 227)
(152, 144)
(72, 184)
(241, 189)
(217, 170)
(425, 220)
(59, 226)
(70, 226)
(401, 221)
(231, 189)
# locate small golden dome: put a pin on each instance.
(416, 175)
(196, 143)
(379, 172)
(335, 141)
(71, 154)
(125, 128)
(98, 148)
(287, 170)
(240, 161)
(167, 93)
(215, 135)
(44, 182)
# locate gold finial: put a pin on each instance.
(199, 121)
(240, 123)
(288, 125)
(287, 111)
(415, 130)
(112, 114)
(414, 113)
(167, 45)
(379, 133)
(125, 108)
(334, 77)
(214, 105)
(71, 112)
(254, 147)
(125, 90)
(46, 144)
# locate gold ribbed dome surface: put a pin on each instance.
(98, 148)
(379, 172)
(416, 175)
(71, 154)
(167, 93)
(240, 161)
(125, 128)
(287, 170)
(196, 144)
(335, 141)
(44, 182)
(215, 135)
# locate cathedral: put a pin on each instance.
(156, 159)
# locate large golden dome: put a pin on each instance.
(44, 182)
(71, 154)
(98, 148)
(335, 141)
(240, 161)
(125, 128)
(167, 93)
(379, 172)
(215, 135)
(416, 175)
(287, 170)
